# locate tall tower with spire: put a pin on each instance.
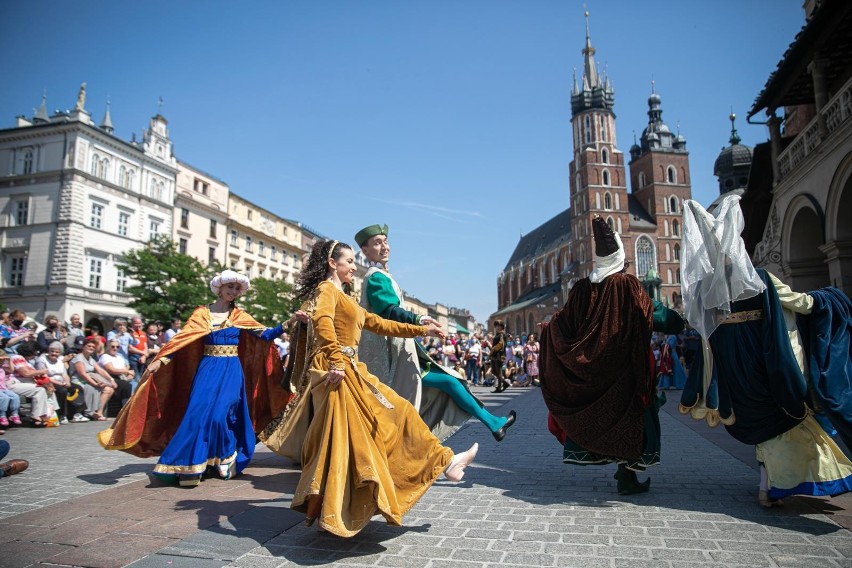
(660, 182)
(733, 165)
(598, 181)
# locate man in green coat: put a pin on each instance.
(440, 395)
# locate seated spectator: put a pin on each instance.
(10, 403)
(124, 338)
(98, 386)
(457, 367)
(50, 333)
(114, 363)
(70, 398)
(15, 332)
(27, 381)
(510, 373)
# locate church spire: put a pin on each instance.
(590, 70)
(735, 138)
(41, 113)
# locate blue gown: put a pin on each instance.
(216, 429)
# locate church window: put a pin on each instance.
(588, 130)
(641, 179)
(28, 161)
(611, 223)
(617, 203)
(668, 252)
(668, 276)
(644, 256)
(671, 174)
(673, 204)
(677, 252)
(619, 222)
(605, 176)
(675, 229)
(666, 227)
(608, 200)
(603, 129)
(604, 156)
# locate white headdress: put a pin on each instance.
(716, 267)
(227, 276)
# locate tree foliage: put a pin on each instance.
(270, 302)
(167, 284)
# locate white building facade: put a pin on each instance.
(200, 221)
(73, 198)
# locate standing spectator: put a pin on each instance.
(138, 359)
(69, 397)
(114, 363)
(498, 355)
(10, 402)
(98, 386)
(448, 353)
(154, 341)
(25, 380)
(172, 331)
(13, 332)
(50, 333)
(531, 359)
(75, 328)
(97, 334)
(474, 360)
(282, 342)
(124, 338)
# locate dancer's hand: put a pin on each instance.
(300, 316)
(333, 377)
(426, 320)
(434, 330)
(152, 368)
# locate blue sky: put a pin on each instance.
(449, 121)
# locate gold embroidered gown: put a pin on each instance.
(364, 449)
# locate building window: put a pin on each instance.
(677, 252)
(671, 174)
(97, 216)
(673, 204)
(249, 214)
(233, 264)
(578, 182)
(28, 161)
(212, 228)
(295, 261)
(607, 200)
(588, 130)
(234, 237)
(644, 256)
(668, 275)
(675, 229)
(184, 218)
(248, 243)
(202, 187)
(604, 156)
(16, 271)
(103, 168)
(122, 176)
(603, 129)
(123, 223)
(261, 248)
(272, 252)
(153, 229)
(211, 255)
(93, 168)
(95, 268)
(641, 179)
(611, 223)
(120, 280)
(605, 177)
(22, 212)
(182, 246)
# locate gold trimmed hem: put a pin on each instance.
(193, 469)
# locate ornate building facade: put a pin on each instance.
(642, 202)
(200, 215)
(72, 197)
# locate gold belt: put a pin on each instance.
(221, 350)
(740, 317)
(350, 353)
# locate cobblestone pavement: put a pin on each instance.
(519, 505)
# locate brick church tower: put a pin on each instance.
(660, 181)
(598, 182)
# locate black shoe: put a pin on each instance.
(628, 483)
(501, 433)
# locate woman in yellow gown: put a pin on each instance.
(364, 450)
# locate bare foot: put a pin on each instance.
(455, 471)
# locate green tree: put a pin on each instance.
(168, 284)
(270, 302)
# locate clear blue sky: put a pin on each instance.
(448, 120)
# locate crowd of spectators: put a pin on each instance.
(470, 357)
(66, 373)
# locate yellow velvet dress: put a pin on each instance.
(366, 450)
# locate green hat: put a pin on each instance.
(364, 234)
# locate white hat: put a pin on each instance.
(227, 276)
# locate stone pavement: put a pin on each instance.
(519, 505)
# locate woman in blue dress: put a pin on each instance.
(210, 388)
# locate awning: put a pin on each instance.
(462, 329)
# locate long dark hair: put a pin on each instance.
(316, 269)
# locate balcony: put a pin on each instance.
(836, 114)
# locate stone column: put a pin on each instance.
(839, 259)
(817, 69)
(774, 124)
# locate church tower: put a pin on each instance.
(598, 184)
(660, 182)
